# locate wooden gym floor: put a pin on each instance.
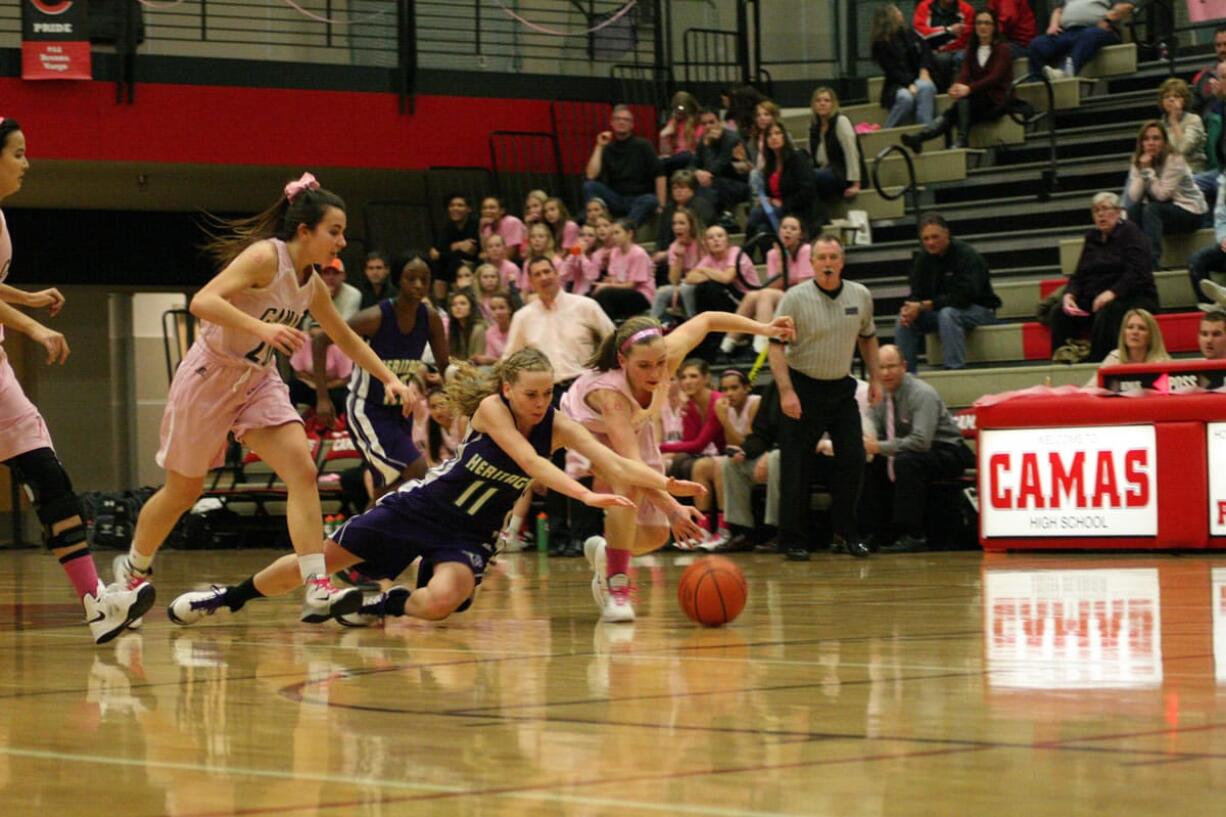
(941, 684)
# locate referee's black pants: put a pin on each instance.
(825, 406)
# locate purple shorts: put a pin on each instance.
(384, 436)
(404, 525)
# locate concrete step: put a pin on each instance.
(1031, 340)
(1176, 249)
(1020, 297)
(868, 199)
(930, 166)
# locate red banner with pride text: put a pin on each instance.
(55, 40)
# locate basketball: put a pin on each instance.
(712, 591)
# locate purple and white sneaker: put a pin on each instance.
(191, 607)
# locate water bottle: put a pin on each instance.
(542, 532)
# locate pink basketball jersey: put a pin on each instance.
(6, 256)
(574, 404)
(282, 301)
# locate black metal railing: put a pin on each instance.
(712, 58)
(762, 242)
(912, 185)
(395, 226)
(1017, 111)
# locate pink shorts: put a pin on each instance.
(209, 398)
(21, 426)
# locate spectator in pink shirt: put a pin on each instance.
(565, 230)
(496, 329)
(604, 243)
(794, 261)
(677, 298)
(630, 285)
(534, 213)
(720, 281)
(581, 266)
(496, 256)
(540, 244)
(489, 284)
(496, 220)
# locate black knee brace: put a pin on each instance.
(51, 491)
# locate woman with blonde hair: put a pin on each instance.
(1163, 194)
(1140, 342)
(836, 152)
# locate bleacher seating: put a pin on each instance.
(1030, 234)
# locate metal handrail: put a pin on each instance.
(759, 240)
(912, 185)
(1051, 182)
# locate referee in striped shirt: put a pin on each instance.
(818, 394)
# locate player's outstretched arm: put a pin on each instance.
(493, 418)
(573, 436)
(689, 334)
(342, 334)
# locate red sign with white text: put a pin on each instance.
(1079, 481)
(55, 40)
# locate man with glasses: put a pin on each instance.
(624, 171)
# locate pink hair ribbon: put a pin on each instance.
(305, 182)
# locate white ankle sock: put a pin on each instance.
(138, 560)
(312, 564)
(727, 344)
(760, 342)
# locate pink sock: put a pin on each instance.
(616, 561)
(81, 572)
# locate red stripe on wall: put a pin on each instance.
(196, 124)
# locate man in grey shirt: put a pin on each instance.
(818, 394)
(1076, 32)
(917, 442)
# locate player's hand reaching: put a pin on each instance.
(683, 487)
(406, 395)
(285, 339)
(595, 500)
(783, 328)
(325, 412)
(53, 342)
(683, 519)
(50, 298)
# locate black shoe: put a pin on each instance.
(913, 141)
(852, 547)
(769, 546)
(740, 543)
(798, 555)
(907, 544)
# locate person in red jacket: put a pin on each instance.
(982, 89)
(1016, 19)
(946, 26)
